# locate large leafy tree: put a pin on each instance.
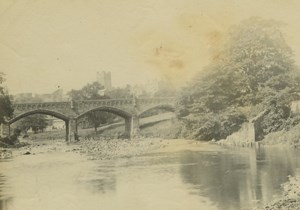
(89, 91)
(120, 92)
(254, 69)
(36, 122)
(6, 109)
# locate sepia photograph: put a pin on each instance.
(149, 105)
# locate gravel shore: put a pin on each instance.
(104, 149)
(116, 148)
(93, 149)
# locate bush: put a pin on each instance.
(213, 126)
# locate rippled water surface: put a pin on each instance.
(226, 179)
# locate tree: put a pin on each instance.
(6, 109)
(254, 69)
(120, 92)
(165, 89)
(36, 122)
(98, 118)
(89, 91)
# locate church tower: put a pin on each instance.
(104, 78)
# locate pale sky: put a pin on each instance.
(49, 43)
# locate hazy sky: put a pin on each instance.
(46, 44)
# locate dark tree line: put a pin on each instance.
(6, 109)
(254, 71)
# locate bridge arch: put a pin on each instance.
(39, 111)
(113, 110)
(166, 107)
(128, 117)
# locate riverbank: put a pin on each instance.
(290, 199)
(92, 149)
(109, 149)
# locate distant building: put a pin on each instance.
(104, 78)
(146, 90)
(54, 124)
(23, 97)
(56, 96)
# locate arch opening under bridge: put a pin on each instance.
(128, 118)
(42, 112)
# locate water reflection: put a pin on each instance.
(226, 179)
(239, 179)
(101, 179)
(5, 198)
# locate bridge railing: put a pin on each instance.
(40, 105)
(105, 101)
(156, 100)
(101, 101)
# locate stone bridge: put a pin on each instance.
(129, 109)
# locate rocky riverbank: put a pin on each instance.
(108, 148)
(290, 199)
(93, 149)
(116, 148)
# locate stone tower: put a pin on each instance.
(104, 78)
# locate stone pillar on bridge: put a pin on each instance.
(71, 130)
(132, 126)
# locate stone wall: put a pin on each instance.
(246, 135)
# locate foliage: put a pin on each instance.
(6, 109)
(212, 125)
(120, 92)
(165, 89)
(36, 122)
(98, 118)
(89, 91)
(255, 68)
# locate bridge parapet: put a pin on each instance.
(61, 108)
(41, 105)
(87, 105)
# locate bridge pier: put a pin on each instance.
(132, 126)
(5, 130)
(71, 130)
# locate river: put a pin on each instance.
(224, 179)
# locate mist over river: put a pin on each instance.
(217, 178)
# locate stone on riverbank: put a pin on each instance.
(290, 199)
(116, 148)
(4, 154)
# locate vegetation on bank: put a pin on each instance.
(253, 72)
(6, 109)
(290, 137)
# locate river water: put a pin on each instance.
(225, 179)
